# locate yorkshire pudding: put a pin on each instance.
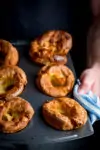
(12, 81)
(55, 80)
(64, 114)
(15, 115)
(8, 53)
(52, 46)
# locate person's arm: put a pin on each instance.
(90, 78)
(93, 39)
(93, 44)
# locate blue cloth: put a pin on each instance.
(89, 101)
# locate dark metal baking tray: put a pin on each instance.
(38, 132)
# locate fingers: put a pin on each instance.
(86, 83)
(85, 86)
(90, 81)
(96, 88)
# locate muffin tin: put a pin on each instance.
(38, 132)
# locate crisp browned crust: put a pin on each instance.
(12, 81)
(15, 115)
(8, 53)
(55, 80)
(64, 114)
(51, 47)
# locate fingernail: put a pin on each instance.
(81, 91)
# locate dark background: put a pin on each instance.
(26, 19)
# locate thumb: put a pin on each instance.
(86, 84)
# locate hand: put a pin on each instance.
(90, 80)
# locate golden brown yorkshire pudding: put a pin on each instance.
(12, 81)
(52, 46)
(64, 114)
(55, 80)
(8, 53)
(15, 115)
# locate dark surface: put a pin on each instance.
(38, 132)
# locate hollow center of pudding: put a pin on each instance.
(6, 84)
(58, 79)
(11, 115)
(14, 113)
(45, 53)
(61, 108)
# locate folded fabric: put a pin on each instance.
(89, 101)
